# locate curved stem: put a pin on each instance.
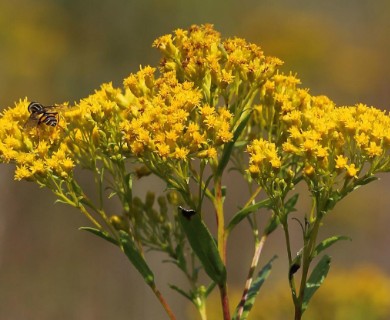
(74, 203)
(163, 302)
(258, 249)
(89, 217)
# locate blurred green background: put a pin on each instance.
(62, 50)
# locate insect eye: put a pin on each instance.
(35, 107)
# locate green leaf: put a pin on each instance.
(290, 204)
(316, 278)
(365, 180)
(273, 223)
(227, 150)
(243, 213)
(101, 234)
(248, 303)
(135, 257)
(327, 243)
(112, 194)
(210, 288)
(204, 189)
(357, 184)
(203, 244)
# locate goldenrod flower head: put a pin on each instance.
(28, 143)
(201, 56)
(309, 170)
(317, 136)
(22, 172)
(341, 162)
(373, 150)
(192, 107)
(171, 121)
(264, 156)
(352, 171)
(38, 167)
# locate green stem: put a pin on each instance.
(306, 261)
(218, 204)
(201, 306)
(89, 217)
(101, 213)
(59, 193)
(310, 239)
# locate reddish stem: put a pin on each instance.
(163, 302)
(225, 302)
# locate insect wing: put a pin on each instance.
(52, 109)
(32, 121)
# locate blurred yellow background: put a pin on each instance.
(61, 50)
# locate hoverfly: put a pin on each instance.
(40, 114)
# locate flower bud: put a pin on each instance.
(119, 223)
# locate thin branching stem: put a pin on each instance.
(163, 302)
(258, 249)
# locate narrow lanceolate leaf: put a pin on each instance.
(290, 203)
(364, 181)
(203, 244)
(243, 213)
(315, 280)
(135, 257)
(248, 301)
(101, 234)
(272, 224)
(327, 243)
(182, 292)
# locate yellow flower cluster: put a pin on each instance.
(154, 118)
(191, 108)
(200, 56)
(315, 138)
(93, 126)
(264, 157)
(169, 120)
(36, 151)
